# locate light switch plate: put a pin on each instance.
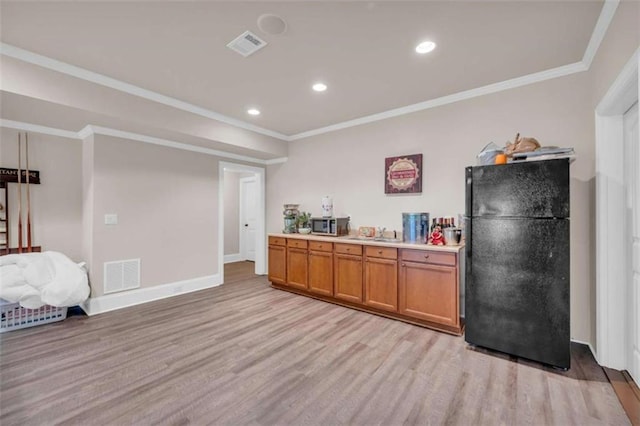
(111, 219)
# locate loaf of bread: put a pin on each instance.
(521, 144)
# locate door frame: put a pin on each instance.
(261, 244)
(611, 268)
(241, 211)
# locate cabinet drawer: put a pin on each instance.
(383, 252)
(296, 243)
(320, 246)
(439, 258)
(277, 241)
(349, 249)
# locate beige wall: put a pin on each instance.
(167, 206)
(87, 198)
(621, 40)
(56, 204)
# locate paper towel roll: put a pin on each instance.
(327, 207)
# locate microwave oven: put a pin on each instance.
(334, 226)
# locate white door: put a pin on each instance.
(248, 217)
(632, 179)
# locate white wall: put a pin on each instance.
(56, 204)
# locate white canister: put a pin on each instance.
(327, 207)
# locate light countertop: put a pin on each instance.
(370, 242)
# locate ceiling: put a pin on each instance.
(363, 51)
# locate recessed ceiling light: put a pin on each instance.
(425, 47)
(253, 111)
(319, 87)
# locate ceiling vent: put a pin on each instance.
(247, 43)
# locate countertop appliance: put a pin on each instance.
(415, 227)
(334, 226)
(517, 259)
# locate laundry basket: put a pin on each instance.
(14, 316)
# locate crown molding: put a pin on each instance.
(106, 131)
(35, 128)
(604, 20)
(624, 89)
(449, 99)
(85, 132)
(121, 86)
(276, 161)
(602, 25)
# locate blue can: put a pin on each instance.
(415, 227)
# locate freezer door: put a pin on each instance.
(528, 189)
(517, 292)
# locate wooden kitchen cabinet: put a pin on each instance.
(348, 273)
(381, 278)
(277, 260)
(297, 267)
(429, 290)
(321, 268)
(418, 286)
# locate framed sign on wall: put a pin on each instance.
(403, 174)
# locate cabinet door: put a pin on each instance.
(348, 277)
(297, 268)
(321, 272)
(381, 284)
(429, 292)
(278, 264)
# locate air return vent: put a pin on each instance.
(247, 43)
(121, 275)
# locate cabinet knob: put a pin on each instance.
(379, 251)
(348, 249)
(404, 264)
(319, 245)
(426, 256)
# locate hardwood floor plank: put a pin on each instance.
(626, 393)
(244, 353)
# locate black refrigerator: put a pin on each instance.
(517, 259)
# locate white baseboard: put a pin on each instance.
(111, 302)
(229, 258)
(590, 348)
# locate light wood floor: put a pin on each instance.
(244, 353)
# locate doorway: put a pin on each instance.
(248, 217)
(632, 223)
(617, 205)
(253, 214)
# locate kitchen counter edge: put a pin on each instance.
(347, 240)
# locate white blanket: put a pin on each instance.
(37, 279)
